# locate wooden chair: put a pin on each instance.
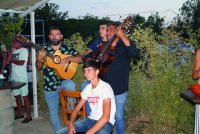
(69, 99)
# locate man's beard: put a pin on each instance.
(55, 43)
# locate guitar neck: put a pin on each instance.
(38, 48)
(106, 47)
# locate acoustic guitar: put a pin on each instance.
(105, 53)
(54, 60)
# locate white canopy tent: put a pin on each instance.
(25, 7)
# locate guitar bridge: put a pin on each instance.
(67, 66)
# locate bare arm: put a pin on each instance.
(71, 129)
(104, 119)
(77, 59)
(18, 62)
(196, 67)
(87, 52)
(10, 55)
(124, 38)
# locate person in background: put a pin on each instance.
(100, 97)
(196, 76)
(96, 43)
(52, 81)
(18, 58)
(92, 48)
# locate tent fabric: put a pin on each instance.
(17, 5)
(23, 7)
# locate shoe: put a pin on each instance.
(19, 117)
(26, 120)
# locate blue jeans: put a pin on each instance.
(82, 87)
(52, 100)
(120, 101)
(85, 124)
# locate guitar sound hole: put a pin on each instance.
(57, 59)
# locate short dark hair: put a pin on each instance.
(91, 63)
(104, 22)
(115, 24)
(55, 28)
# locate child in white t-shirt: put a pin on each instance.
(100, 97)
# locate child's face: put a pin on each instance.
(17, 45)
(90, 73)
(102, 30)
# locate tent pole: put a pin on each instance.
(32, 16)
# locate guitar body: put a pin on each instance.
(104, 66)
(105, 61)
(63, 72)
(54, 61)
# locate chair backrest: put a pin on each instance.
(69, 99)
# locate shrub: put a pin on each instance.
(77, 42)
(155, 85)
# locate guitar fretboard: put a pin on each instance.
(38, 48)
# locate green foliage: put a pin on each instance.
(156, 22)
(50, 15)
(189, 16)
(9, 26)
(40, 86)
(49, 12)
(190, 13)
(154, 90)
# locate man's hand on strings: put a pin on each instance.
(66, 60)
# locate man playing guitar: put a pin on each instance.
(52, 80)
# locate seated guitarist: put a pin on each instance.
(117, 73)
(52, 81)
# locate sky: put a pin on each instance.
(119, 9)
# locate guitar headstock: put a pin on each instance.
(126, 24)
(21, 38)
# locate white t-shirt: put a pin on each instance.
(19, 72)
(95, 99)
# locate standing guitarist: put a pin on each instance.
(52, 81)
(117, 73)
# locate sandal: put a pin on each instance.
(26, 120)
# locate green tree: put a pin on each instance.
(10, 25)
(50, 15)
(190, 13)
(156, 22)
(49, 12)
(137, 19)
